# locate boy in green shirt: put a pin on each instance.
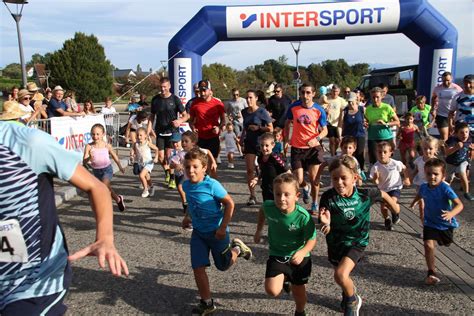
(291, 236)
(345, 214)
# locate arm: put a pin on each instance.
(415, 200)
(149, 128)
(390, 202)
(184, 117)
(127, 132)
(103, 248)
(452, 149)
(268, 128)
(213, 164)
(406, 177)
(155, 149)
(260, 223)
(458, 207)
(65, 113)
(228, 212)
(300, 254)
(87, 155)
(115, 158)
(286, 131)
(394, 121)
(340, 123)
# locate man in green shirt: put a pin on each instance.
(291, 236)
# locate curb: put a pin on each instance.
(67, 193)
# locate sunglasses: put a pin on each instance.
(277, 91)
(236, 95)
(307, 92)
(26, 98)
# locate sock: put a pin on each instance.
(208, 302)
(431, 272)
(238, 250)
(172, 176)
(350, 299)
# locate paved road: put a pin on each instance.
(148, 235)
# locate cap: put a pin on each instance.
(58, 88)
(175, 137)
(204, 85)
(352, 97)
(323, 90)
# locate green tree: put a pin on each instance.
(36, 59)
(81, 65)
(222, 77)
(12, 71)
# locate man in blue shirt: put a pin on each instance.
(57, 107)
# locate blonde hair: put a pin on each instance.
(430, 140)
(286, 178)
(344, 161)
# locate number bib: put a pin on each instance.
(12, 242)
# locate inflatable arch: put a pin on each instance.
(417, 19)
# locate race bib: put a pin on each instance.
(12, 243)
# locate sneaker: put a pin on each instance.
(468, 196)
(218, 160)
(432, 280)
(421, 236)
(167, 177)
(152, 190)
(395, 218)
(352, 308)
(230, 166)
(314, 209)
(287, 286)
(203, 308)
(343, 302)
(306, 192)
(303, 313)
(145, 193)
(252, 201)
(172, 184)
(245, 251)
(388, 223)
(121, 204)
(188, 228)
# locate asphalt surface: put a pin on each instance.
(148, 235)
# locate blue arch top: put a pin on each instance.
(417, 19)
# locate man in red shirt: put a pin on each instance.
(208, 118)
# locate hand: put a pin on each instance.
(253, 182)
(214, 167)
(186, 222)
(376, 176)
(447, 215)
(313, 142)
(406, 182)
(104, 250)
(220, 233)
(175, 123)
(324, 216)
(297, 257)
(460, 145)
(122, 170)
(381, 122)
(215, 130)
(325, 229)
(257, 237)
(155, 160)
(254, 127)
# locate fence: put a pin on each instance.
(112, 127)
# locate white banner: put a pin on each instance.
(313, 19)
(442, 62)
(182, 79)
(74, 133)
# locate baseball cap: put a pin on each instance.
(204, 85)
(175, 137)
(352, 97)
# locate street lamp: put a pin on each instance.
(296, 47)
(17, 17)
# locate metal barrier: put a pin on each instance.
(112, 127)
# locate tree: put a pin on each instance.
(12, 71)
(222, 78)
(81, 65)
(36, 59)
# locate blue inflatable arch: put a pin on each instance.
(417, 19)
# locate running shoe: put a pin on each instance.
(314, 209)
(306, 192)
(203, 308)
(388, 223)
(230, 166)
(303, 313)
(145, 193)
(352, 308)
(395, 218)
(172, 184)
(218, 160)
(152, 190)
(245, 251)
(252, 201)
(432, 279)
(188, 228)
(468, 196)
(287, 286)
(121, 204)
(167, 177)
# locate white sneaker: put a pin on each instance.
(145, 193)
(230, 166)
(218, 159)
(152, 190)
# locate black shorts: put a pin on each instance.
(304, 157)
(213, 144)
(332, 131)
(250, 148)
(355, 254)
(163, 142)
(297, 275)
(50, 305)
(441, 121)
(443, 237)
(267, 194)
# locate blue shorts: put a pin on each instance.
(44, 305)
(104, 173)
(394, 193)
(202, 243)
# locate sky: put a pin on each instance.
(138, 31)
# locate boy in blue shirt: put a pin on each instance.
(441, 207)
(206, 197)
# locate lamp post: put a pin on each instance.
(296, 47)
(17, 17)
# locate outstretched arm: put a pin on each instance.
(103, 248)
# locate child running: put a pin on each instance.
(386, 174)
(231, 141)
(441, 206)
(458, 151)
(97, 155)
(189, 141)
(210, 210)
(144, 161)
(406, 135)
(291, 237)
(270, 165)
(345, 215)
(429, 146)
(280, 146)
(176, 162)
